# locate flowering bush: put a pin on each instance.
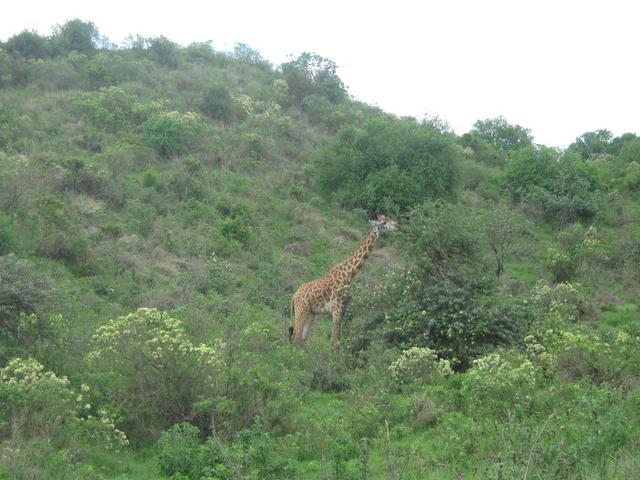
(43, 404)
(557, 304)
(172, 132)
(496, 380)
(578, 354)
(145, 364)
(419, 364)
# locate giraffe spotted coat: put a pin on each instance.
(324, 295)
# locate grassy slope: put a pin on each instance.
(169, 251)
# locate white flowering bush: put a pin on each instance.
(507, 383)
(579, 354)
(557, 303)
(35, 403)
(148, 367)
(539, 355)
(419, 364)
(265, 116)
(172, 132)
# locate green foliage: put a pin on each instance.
(503, 228)
(444, 239)
(22, 289)
(510, 382)
(109, 108)
(311, 74)
(58, 238)
(502, 135)
(387, 165)
(164, 51)
(218, 104)
(226, 228)
(419, 364)
(178, 450)
(483, 150)
(458, 321)
(44, 405)
(235, 229)
(563, 189)
(151, 371)
(27, 44)
(592, 144)
(630, 151)
(578, 247)
(75, 36)
(173, 132)
(7, 237)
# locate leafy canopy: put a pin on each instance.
(388, 164)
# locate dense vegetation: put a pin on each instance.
(160, 204)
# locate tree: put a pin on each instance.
(388, 164)
(563, 187)
(218, 104)
(528, 168)
(6, 234)
(148, 366)
(164, 51)
(483, 151)
(503, 227)
(591, 144)
(172, 132)
(23, 289)
(245, 52)
(502, 135)
(443, 240)
(27, 44)
(630, 151)
(310, 73)
(75, 36)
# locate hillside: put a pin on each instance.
(159, 205)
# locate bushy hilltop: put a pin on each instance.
(160, 204)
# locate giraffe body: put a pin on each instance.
(325, 295)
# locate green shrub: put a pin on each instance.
(75, 36)
(164, 51)
(178, 449)
(172, 132)
(113, 230)
(509, 382)
(24, 288)
(235, 229)
(47, 407)
(579, 249)
(420, 365)
(109, 108)
(59, 237)
(580, 355)
(445, 240)
(7, 237)
(387, 165)
(562, 188)
(218, 104)
(147, 366)
(460, 321)
(27, 44)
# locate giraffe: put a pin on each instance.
(324, 295)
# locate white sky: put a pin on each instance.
(558, 67)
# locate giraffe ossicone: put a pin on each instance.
(324, 295)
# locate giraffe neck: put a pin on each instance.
(356, 261)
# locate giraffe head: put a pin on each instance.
(383, 223)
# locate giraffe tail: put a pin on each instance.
(291, 327)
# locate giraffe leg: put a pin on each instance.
(306, 327)
(336, 316)
(301, 324)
